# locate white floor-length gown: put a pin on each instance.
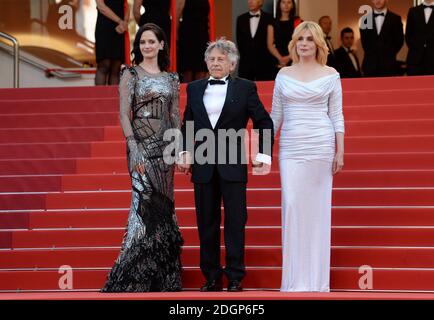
(308, 115)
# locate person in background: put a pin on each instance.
(193, 37)
(419, 36)
(156, 11)
(325, 22)
(280, 34)
(382, 42)
(347, 63)
(111, 24)
(256, 62)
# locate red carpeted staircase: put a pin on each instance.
(64, 191)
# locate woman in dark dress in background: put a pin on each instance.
(156, 11)
(280, 34)
(111, 24)
(193, 17)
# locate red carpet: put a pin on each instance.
(64, 195)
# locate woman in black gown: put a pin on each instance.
(150, 255)
(193, 38)
(111, 24)
(280, 34)
(156, 11)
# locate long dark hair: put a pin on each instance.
(291, 13)
(163, 55)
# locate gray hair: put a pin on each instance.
(226, 47)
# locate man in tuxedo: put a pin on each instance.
(221, 104)
(382, 42)
(419, 36)
(256, 62)
(325, 22)
(347, 63)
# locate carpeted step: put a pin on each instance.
(353, 128)
(50, 135)
(37, 120)
(353, 144)
(104, 258)
(52, 105)
(393, 236)
(118, 165)
(104, 149)
(416, 216)
(185, 198)
(380, 257)
(92, 182)
(256, 278)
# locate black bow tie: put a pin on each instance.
(378, 14)
(213, 82)
(255, 15)
(426, 6)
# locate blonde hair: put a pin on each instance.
(318, 37)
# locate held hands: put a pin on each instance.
(260, 168)
(121, 27)
(136, 158)
(338, 162)
(184, 163)
(283, 62)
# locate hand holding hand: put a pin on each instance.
(184, 163)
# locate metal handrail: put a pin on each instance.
(16, 57)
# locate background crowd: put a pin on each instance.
(263, 40)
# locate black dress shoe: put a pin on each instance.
(211, 286)
(235, 286)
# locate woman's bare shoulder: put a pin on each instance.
(329, 70)
(287, 70)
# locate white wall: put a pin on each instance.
(312, 10)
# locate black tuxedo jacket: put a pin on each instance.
(419, 37)
(345, 66)
(242, 103)
(381, 50)
(256, 62)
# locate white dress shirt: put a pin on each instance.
(214, 98)
(254, 22)
(428, 12)
(353, 58)
(379, 20)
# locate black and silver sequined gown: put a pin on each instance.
(150, 255)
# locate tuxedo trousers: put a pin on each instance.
(208, 199)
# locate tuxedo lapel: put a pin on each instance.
(374, 24)
(228, 100)
(385, 25)
(260, 24)
(201, 106)
(431, 18)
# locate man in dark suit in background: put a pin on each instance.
(382, 42)
(256, 62)
(419, 36)
(347, 63)
(325, 22)
(219, 104)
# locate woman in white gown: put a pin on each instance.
(307, 108)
